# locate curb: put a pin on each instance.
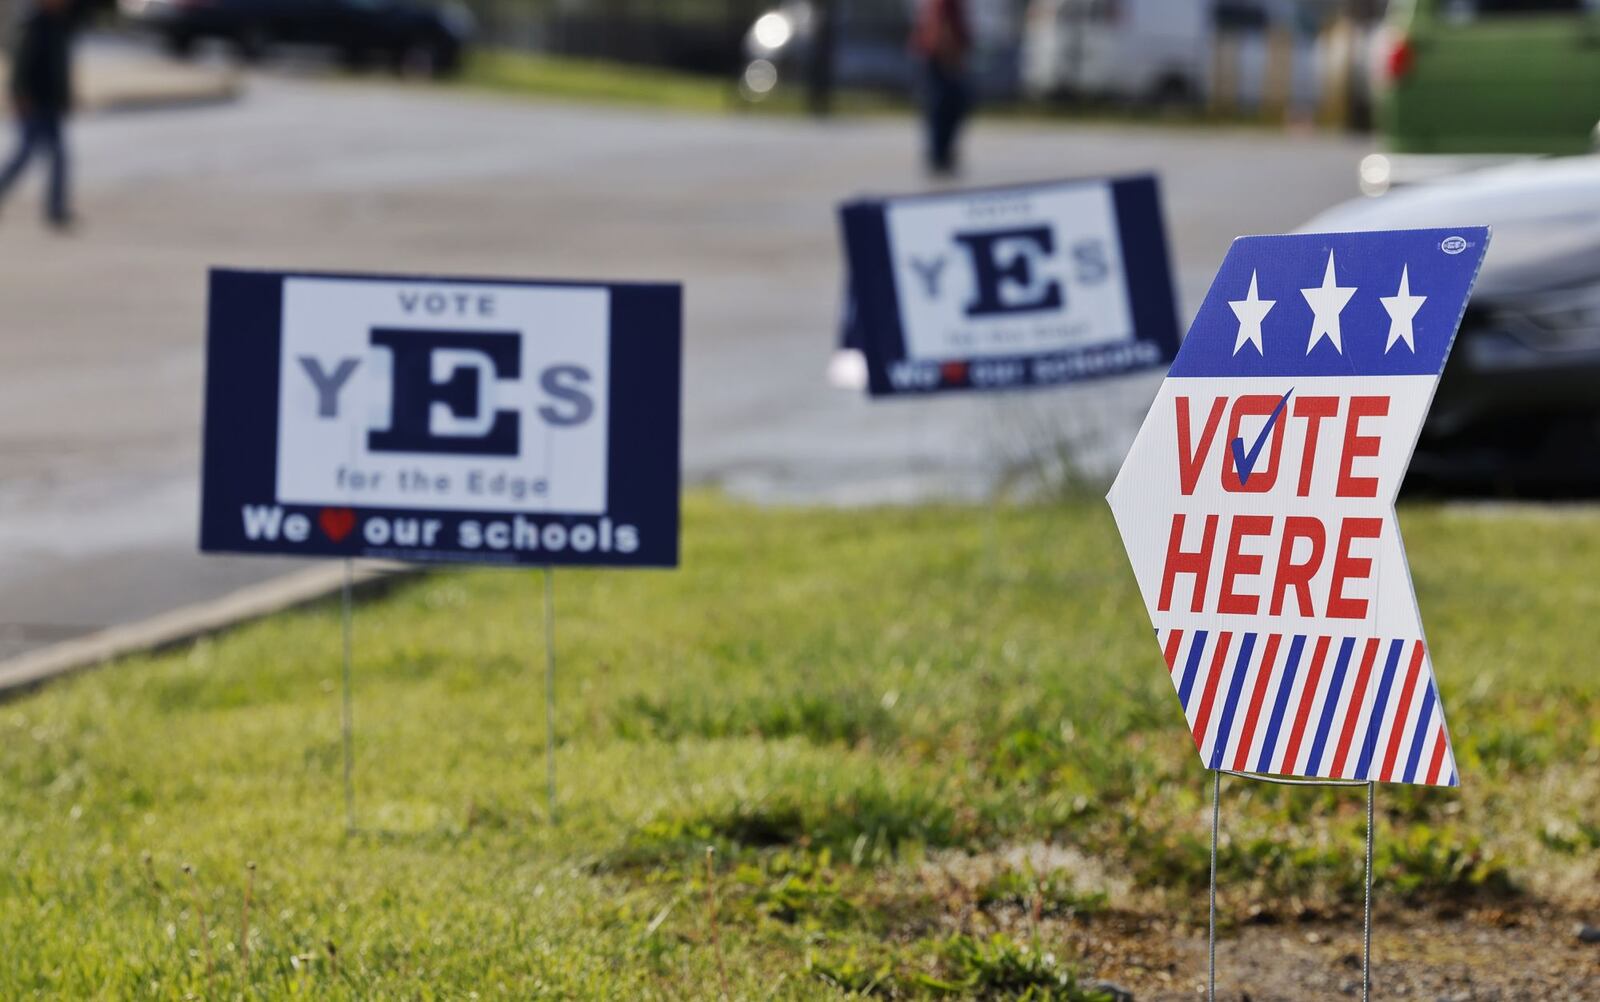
(219, 91)
(113, 85)
(33, 669)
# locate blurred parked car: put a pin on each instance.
(1128, 49)
(408, 37)
(1519, 404)
(1489, 76)
(1165, 52)
(870, 50)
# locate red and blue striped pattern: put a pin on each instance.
(1315, 706)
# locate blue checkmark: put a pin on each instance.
(1245, 462)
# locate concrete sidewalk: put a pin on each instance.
(34, 668)
(113, 74)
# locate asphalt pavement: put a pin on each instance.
(102, 346)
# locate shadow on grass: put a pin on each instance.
(870, 825)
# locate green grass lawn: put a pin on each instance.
(867, 715)
(569, 78)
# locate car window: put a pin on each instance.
(874, 20)
(1231, 15)
(1467, 10)
(1098, 10)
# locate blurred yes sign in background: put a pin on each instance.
(1029, 285)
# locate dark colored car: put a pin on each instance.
(870, 47)
(408, 37)
(1518, 407)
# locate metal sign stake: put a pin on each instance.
(1366, 907)
(1366, 910)
(550, 691)
(348, 716)
(1211, 922)
(991, 532)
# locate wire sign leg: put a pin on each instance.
(347, 721)
(550, 692)
(1211, 923)
(1366, 918)
(1366, 907)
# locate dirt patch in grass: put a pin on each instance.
(1486, 956)
(1060, 902)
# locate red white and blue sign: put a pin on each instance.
(442, 419)
(1257, 504)
(1003, 288)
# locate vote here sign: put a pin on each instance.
(1031, 285)
(1257, 504)
(433, 419)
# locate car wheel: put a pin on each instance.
(251, 43)
(179, 45)
(446, 61)
(426, 60)
(1173, 94)
(414, 60)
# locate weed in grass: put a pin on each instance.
(1050, 894)
(850, 973)
(958, 966)
(798, 888)
(1000, 968)
(1424, 861)
(795, 900)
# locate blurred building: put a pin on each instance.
(702, 34)
(1272, 58)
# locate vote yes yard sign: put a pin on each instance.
(431, 419)
(994, 289)
(1257, 504)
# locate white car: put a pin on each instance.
(1132, 49)
(1166, 51)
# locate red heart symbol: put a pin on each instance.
(954, 372)
(337, 522)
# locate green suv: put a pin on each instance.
(1490, 76)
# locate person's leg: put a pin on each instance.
(931, 111)
(945, 124)
(26, 139)
(960, 107)
(53, 134)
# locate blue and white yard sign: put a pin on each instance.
(1257, 504)
(1001, 288)
(442, 419)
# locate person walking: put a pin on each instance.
(41, 97)
(941, 40)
